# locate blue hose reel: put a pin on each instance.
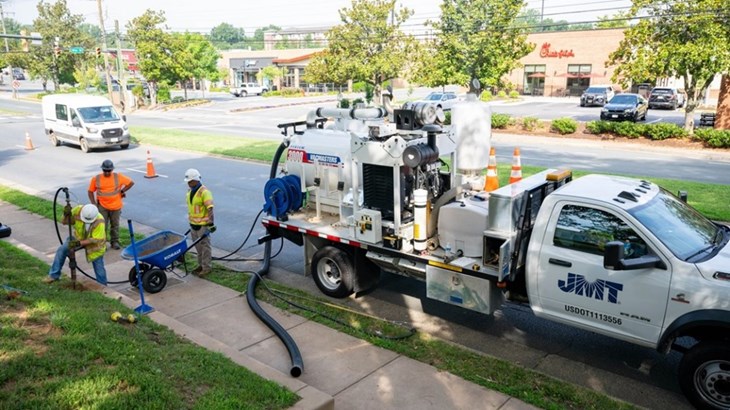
(282, 195)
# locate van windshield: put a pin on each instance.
(98, 114)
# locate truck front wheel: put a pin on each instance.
(333, 272)
(704, 375)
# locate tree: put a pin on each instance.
(161, 56)
(533, 22)
(688, 40)
(270, 73)
(368, 46)
(56, 21)
(225, 35)
(618, 20)
(479, 39)
(257, 42)
(203, 58)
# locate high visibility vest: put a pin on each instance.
(109, 195)
(198, 206)
(96, 233)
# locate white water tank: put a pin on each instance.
(471, 121)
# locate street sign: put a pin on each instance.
(76, 50)
(16, 84)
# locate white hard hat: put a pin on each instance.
(192, 175)
(89, 213)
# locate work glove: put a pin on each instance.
(211, 228)
(67, 211)
(74, 244)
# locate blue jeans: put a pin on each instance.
(60, 260)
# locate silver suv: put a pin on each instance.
(666, 97)
(596, 95)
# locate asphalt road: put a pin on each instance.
(637, 375)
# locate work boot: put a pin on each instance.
(115, 245)
(197, 270)
(204, 272)
(49, 279)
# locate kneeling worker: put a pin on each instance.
(89, 233)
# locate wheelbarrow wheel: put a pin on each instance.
(154, 280)
(143, 267)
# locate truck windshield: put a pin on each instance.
(686, 232)
(98, 114)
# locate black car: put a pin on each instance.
(622, 107)
(18, 75)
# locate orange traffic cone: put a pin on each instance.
(516, 174)
(492, 181)
(150, 167)
(28, 142)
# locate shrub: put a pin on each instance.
(530, 123)
(600, 127)
(447, 117)
(501, 94)
(514, 94)
(486, 96)
(564, 126)
(357, 101)
(163, 93)
(500, 120)
(344, 103)
(629, 129)
(712, 137)
(359, 86)
(369, 93)
(661, 131)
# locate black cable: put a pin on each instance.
(60, 240)
(253, 224)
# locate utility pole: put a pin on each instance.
(120, 70)
(104, 51)
(2, 20)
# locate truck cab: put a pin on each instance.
(88, 121)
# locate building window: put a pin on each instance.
(534, 81)
(579, 78)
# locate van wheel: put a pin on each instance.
(333, 272)
(124, 146)
(84, 145)
(243, 94)
(54, 140)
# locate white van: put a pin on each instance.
(88, 121)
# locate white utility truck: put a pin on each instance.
(616, 256)
(88, 121)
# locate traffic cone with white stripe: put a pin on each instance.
(516, 174)
(150, 167)
(492, 181)
(28, 142)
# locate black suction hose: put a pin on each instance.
(297, 365)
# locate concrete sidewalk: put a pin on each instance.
(339, 371)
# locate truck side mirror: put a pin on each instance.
(613, 259)
(76, 123)
(613, 255)
(124, 118)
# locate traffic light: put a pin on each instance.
(98, 51)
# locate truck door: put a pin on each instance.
(574, 287)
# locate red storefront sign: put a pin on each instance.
(545, 52)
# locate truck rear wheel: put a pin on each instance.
(704, 375)
(333, 272)
(54, 140)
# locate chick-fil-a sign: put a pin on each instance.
(545, 52)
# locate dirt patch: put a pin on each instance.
(39, 330)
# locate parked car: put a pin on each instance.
(18, 74)
(596, 95)
(622, 107)
(445, 100)
(666, 97)
(248, 88)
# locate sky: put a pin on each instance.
(202, 16)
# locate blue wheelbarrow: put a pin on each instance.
(156, 255)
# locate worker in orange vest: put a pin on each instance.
(110, 187)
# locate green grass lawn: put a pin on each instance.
(59, 349)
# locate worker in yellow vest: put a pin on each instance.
(200, 215)
(89, 233)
